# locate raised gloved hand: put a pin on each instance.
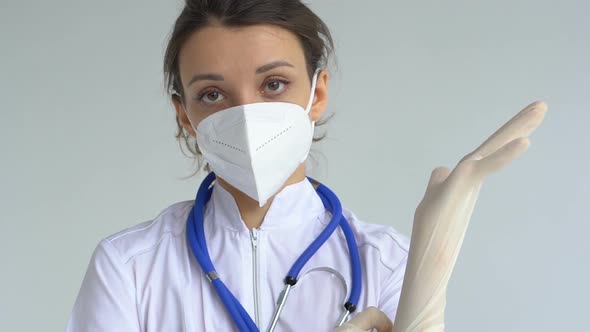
(442, 217)
(440, 223)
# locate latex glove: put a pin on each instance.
(442, 217)
(370, 318)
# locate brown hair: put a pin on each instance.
(292, 15)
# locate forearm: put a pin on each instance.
(436, 242)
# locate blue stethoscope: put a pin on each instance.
(196, 238)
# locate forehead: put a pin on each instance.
(217, 48)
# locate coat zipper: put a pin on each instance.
(255, 277)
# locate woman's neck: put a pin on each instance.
(252, 214)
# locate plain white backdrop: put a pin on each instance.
(87, 142)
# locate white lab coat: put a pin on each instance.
(146, 279)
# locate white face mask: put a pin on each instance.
(257, 147)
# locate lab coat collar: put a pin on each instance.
(293, 205)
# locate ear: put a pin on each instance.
(181, 115)
(320, 99)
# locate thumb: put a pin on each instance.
(438, 176)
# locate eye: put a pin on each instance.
(211, 97)
(275, 86)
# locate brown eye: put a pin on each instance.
(275, 86)
(211, 97)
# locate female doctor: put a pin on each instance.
(248, 81)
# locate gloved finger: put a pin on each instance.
(521, 125)
(438, 176)
(502, 157)
(372, 318)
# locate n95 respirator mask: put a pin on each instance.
(257, 147)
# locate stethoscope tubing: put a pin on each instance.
(198, 245)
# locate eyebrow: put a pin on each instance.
(272, 65)
(259, 70)
(203, 77)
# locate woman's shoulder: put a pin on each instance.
(146, 236)
(390, 245)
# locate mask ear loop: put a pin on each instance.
(313, 84)
(309, 103)
(204, 162)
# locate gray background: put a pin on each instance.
(88, 149)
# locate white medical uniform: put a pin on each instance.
(145, 278)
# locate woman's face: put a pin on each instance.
(221, 67)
